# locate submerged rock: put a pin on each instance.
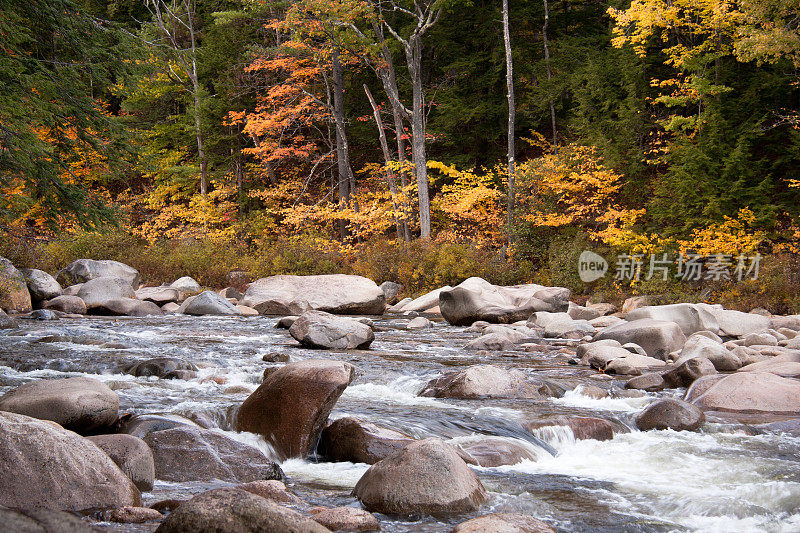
(427, 476)
(290, 408)
(162, 367)
(496, 451)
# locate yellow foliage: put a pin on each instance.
(732, 236)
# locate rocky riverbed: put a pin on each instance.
(579, 419)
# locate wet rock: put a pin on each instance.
(698, 346)
(141, 425)
(186, 284)
(235, 510)
(79, 404)
(491, 452)
(291, 406)
(350, 439)
(14, 295)
(317, 329)
(208, 303)
(42, 521)
(6, 322)
(134, 515)
(42, 314)
(486, 381)
(158, 295)
(41, 285)
(689, 317)
(391, 290)
(787, 369)
(427, 476)
(127, 307)
(749, 392)
(345, 519)
(658, 337)
(669, 413)
(271, 489)
(503, 523)
(419, 323)
(40, 459)
(582, 427)
(477, 299)
(195, 454)
(66, 304)
(97, 291)
(651, 382)
(286, 322)
(788, 427)
(160, 367)
(132, 455)
(689, 371)
(333, 293)
(736, 323)
(83, 270)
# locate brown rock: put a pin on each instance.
(487, 381)
(497, 451)
(749, 392)
(350, 439)
(345, 519)
(14, 294)
(689, 371)
(427, 476)
(135, 515)
(583, 427)
(503, 523)
(132, 455)
(271, 489)
(669, 413)
(651, 382)
(290, 408)
(42, 521)
(66, 304)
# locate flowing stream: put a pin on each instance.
(725, 478)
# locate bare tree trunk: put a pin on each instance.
(511, 114)
(549, 73)
(414, 58)
(346, 179)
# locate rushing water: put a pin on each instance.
(722, 479)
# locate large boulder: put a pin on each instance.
(66, 304)
(427, 476)
(132, 455)
(83, 270)
(487, 381)
(318, 329)
(787, 369)
(689, 317)
(127, 307)
(14, 294)
(80, 404)
(141, 425)
(236, 511)
(186, 284)
(41, 285)
(658, 337)
(700, 347)
(689, 371)
(42, 521)
(391, 290)
(333, 293)
(45, 465)
(291, 406)
(195, 454)
(97, 291)
(736, 323)
(608, 355)
(750, 392)
(669, 413)
(350, 439)
(503, 523)
(158, 295)
(208, 303)
(477, 299)
(427, 301)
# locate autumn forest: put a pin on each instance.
(419, 142)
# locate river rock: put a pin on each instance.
(171, 308)
(736, 323)
(317, 329)
(333, 293)
(701, 385)
(141, 425)
(97, 291)
(271, 489)
(632, 364)
(497, 451)
(247, 311)
(658, 337)
(787, 369)
(79, 404)
(235, 511)
(603, 308)
(419, 323)
(748, 392)
(42, 521)
(477, 299)
(195, 454)
(158, 295)
(186, 284)
(6, 322)
(486, 381)
(345, 519)
(427, 476)
(790, 322)
(14, 294)
(759, 339)
(391, 291)
(41, 285)
(669, 413)
(45, 465)
(688, 371)
(503, 523)
(291, 406)
(208, 303)
(698, 346)
(582, 427)
(66, 304)
(135, 515)
(132, 455)
(493, 342)
(568, 329)
(651, 382)
(162, 367)
(83, 270)
(350, 439)
(127, 307)
(421, 304)
(579, 312)
(689, 317)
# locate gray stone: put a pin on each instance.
(689, 371)
(419, 323)
(391, 290)
(186, 284)
(208, 303)
(487, 381)
(658, 337)
(66, 304)
(752, 392)
(651, 382)
(689, 317)
(736, 323)
(345, 519)
(83, 270)
(132, 455)
(41, 285)
(503, 523)
(97, 291)
(317, 329)
(14, 294)
(158, 295)
(703, 347)
(333, 293)
(160, 367)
